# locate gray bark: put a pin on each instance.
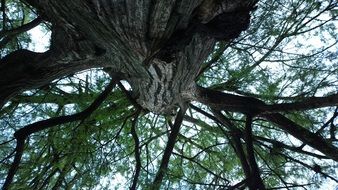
(132, 38)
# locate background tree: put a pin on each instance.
(177, 96)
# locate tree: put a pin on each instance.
(212, 102)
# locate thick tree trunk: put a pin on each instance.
(159, 46)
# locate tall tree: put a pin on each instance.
(188, 94)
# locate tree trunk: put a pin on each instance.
(158, 46)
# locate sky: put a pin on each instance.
(40, 39)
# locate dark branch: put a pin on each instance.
(306, 104)
(291, 148)
(169, 149)
(249, 105)
(20, 144)
(136, 151)
(21, 29)
(24, 69)
(244, 104)
(4, 17)
(8, 35)
(304, 135)
(229, 102)
(41, 125)
(256, 181)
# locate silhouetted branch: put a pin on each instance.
(291, 148)
(20, 144)
(256, 181)
(168, 150)
(244, 104)
(306, 104)
(137, 152)
(303, 135)
(330, 121)
(4, 16)
(21, 29)
(8, 35)
(239, 185)
(222, 101)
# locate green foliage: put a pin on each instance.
(288, 53)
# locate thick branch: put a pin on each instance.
(230, 102)
(20, 145)
(306, 104)
(291, 148)
(24, 69)
(256, 181)
(168, 150)
(304, 135)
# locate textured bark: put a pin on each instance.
(154, 44)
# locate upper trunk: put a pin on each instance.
(158, 46)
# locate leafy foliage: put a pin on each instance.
(289, 53)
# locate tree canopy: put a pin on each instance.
(177, 94)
